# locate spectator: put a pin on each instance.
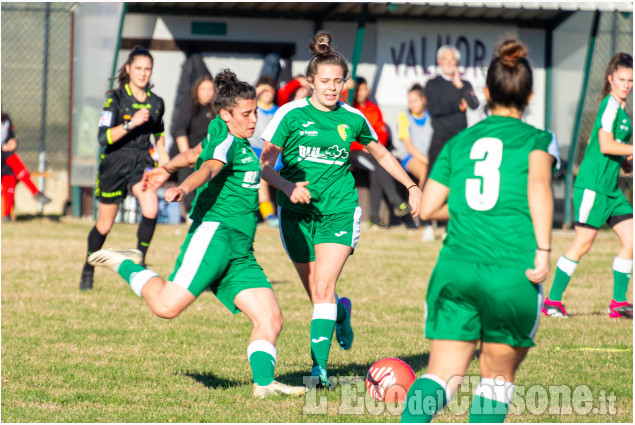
(193, 115)
(266, 96)
(380, 181)
(415, 131)
(14, 170)
(448, 98)
(293, 90)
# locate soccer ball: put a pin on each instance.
(389, 380)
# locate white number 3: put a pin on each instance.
(482, 193)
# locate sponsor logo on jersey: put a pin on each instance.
(247, 160)
(342, 233)
(105, 120)
(308, 123)
(333, 155)
(310, 133)
(141, 105)
(344, 131)
(320, 339)
(623, 127)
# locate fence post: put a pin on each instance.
(568, 201)
(42, 156)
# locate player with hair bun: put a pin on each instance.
(218, 249)
(597, 197)
(485, 288)
(317, 200)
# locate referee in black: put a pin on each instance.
(131, 115)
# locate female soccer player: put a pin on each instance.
(597, 197)
(318, 210)
(131, 115)
(495, 176)
(218, 250)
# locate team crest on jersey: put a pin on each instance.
(344, 131)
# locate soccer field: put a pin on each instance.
(101, 356)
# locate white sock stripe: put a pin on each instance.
(325, 311)
(566, 265)
(622, 265)
(495, 389)
(139, 279)
(262, 345)
(444, 385)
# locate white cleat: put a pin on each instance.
(278, 388)
(113, 259)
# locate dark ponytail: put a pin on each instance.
(620, 60)
(229, 89)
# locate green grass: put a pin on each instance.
(101, 356)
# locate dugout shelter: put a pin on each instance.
(392, 45)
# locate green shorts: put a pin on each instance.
(301, 232)
(593, 209)
(492, 303)
(218, 257)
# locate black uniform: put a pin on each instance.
(123, 162)
(7, 134)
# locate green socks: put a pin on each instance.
(564, 271)
(262, 359)
(491, 401)
(425, 398)
(621, 275)
(322, 328)
(135, 275)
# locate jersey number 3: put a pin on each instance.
(482, 193)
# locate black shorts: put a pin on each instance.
(118, 172)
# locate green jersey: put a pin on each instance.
(316, 148)
(216, 128)
(486, 168)
(599, 172)
(231, 197)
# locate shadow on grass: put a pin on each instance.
(416, 362)
(30, 217)
(212, 381)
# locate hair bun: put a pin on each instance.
(321, 44)
(510, 51)
(224, 77)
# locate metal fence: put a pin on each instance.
(36, 41)
(615, 34)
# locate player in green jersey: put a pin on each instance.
(218, 250)
(485, 288)
(317, 200)
(597, 197)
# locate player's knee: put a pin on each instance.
(321, 293)
(165, 311)
(271, 321)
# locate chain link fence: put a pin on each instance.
(24, 59)
(615, 34)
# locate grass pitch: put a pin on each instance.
(101, 356)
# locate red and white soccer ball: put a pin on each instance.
(389, 380)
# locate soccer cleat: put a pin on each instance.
(275, 388)
(319, 378)
(401, 209)
(428, 234)
(113, 259)
(621, 309)
(42, 198)
(554, 309)
(86, 282)
(344, 331)
(375, 222)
